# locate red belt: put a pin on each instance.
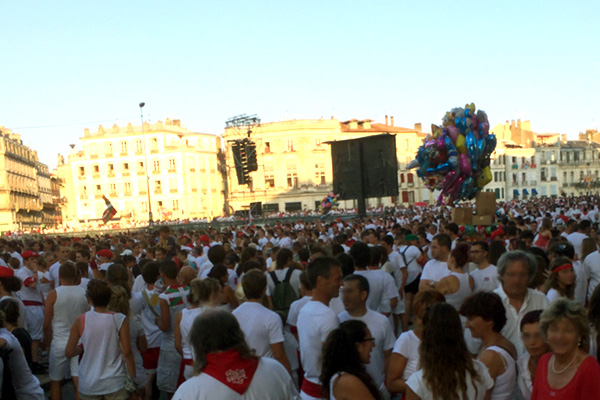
(312, 389)
(187, 362)
(32, 303)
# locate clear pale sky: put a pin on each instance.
(67, 65)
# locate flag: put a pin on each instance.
(110, 211)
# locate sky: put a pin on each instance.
(68, 65)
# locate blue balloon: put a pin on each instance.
(472, 149)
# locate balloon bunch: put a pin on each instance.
(455, 158)
(328, 203)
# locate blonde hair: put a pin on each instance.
(201, 290)
(119, 300)
(571, 310)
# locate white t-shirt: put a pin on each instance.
(28, 293)
(53, 274)
(261, 326)
(411, 254)
(419, 386)
(592, 266)
(407, 345)
(485, 280)
(270, 382)
(188, 316)
(295, 308)
(576, 238)
(26, 385)
(382, 289)
(435, 270)
(581, 282)
(383, 333)
(315, 322)
(552, 295)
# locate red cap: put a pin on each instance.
(29, 254)
(6, 272)
(105, 253)
(240, 234)
(204, 239)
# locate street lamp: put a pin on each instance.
(150, 221)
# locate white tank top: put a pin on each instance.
(185, 326)
(464, 290)
(70, 304)
(102, 358)
(505, 383)
(331, 382)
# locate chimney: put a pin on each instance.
(177, 122)
(392, 120)
(386, 119)
(418, 127)
(86, 132)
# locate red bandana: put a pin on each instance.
(231, 369)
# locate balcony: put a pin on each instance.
(533, 183)
(172, 170)
(140, 173)
(173, 190)
(122, 154)
(515, 166)
(95, 175)
(158, 191)
(192, 169)
(565, 184)
(127, 194)
(111, 174)
(411, 184)
(81, 177)
(142, 192)
(126, 173)
(554, 179)
(98, 196)
(108, 155)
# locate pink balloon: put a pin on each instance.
(465, 165)
(453, 132)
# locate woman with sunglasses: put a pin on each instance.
(346, 350)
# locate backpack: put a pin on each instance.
(403, 254)
(283, 295)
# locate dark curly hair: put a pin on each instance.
(486, 305)
(340, 355)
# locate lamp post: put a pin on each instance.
(150, 221)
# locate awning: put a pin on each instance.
(534, 192)
(525, 192)
(515, 192)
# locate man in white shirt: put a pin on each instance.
(398, 270)
(354, 296)
(62, 255)
(316, 320)
(516, 269)
(485, 276)
(437, 267)
(576, 238)
(262, 327)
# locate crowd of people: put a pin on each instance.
(403, 305)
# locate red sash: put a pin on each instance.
(230, 369)
(32, 303)
(311, 389)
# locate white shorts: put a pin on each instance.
(34, 318)
(167, 371)
(400, 308)
(59, 365)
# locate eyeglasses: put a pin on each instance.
(372, 340)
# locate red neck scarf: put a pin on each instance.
(230, 369)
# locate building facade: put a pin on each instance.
(178, 166)
(25, 189)
(295, 168)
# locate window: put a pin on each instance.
(140, 166)
(157, 186)
(93, 149)
(173, 186)
(81, 171)
(156, 165)
(83, 193)
(139, 147)
(125, 167)
(111, 168)
(154, 144)
(318, 142)
(175, 205)
(267, 147)
(269, 176)
(292, 176)
(113, 188)
(401, 178)
(572, 176)
(410, 178)
(127, 187)
(320, 173)
(290, 145)
(108, 150)
(142, 186)
(123, 147)
(96, 169)
(144, 206)
(98, 189)
(172, 165)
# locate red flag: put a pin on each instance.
(110, 211)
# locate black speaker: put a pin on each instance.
(256, 208)
(365, 167)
